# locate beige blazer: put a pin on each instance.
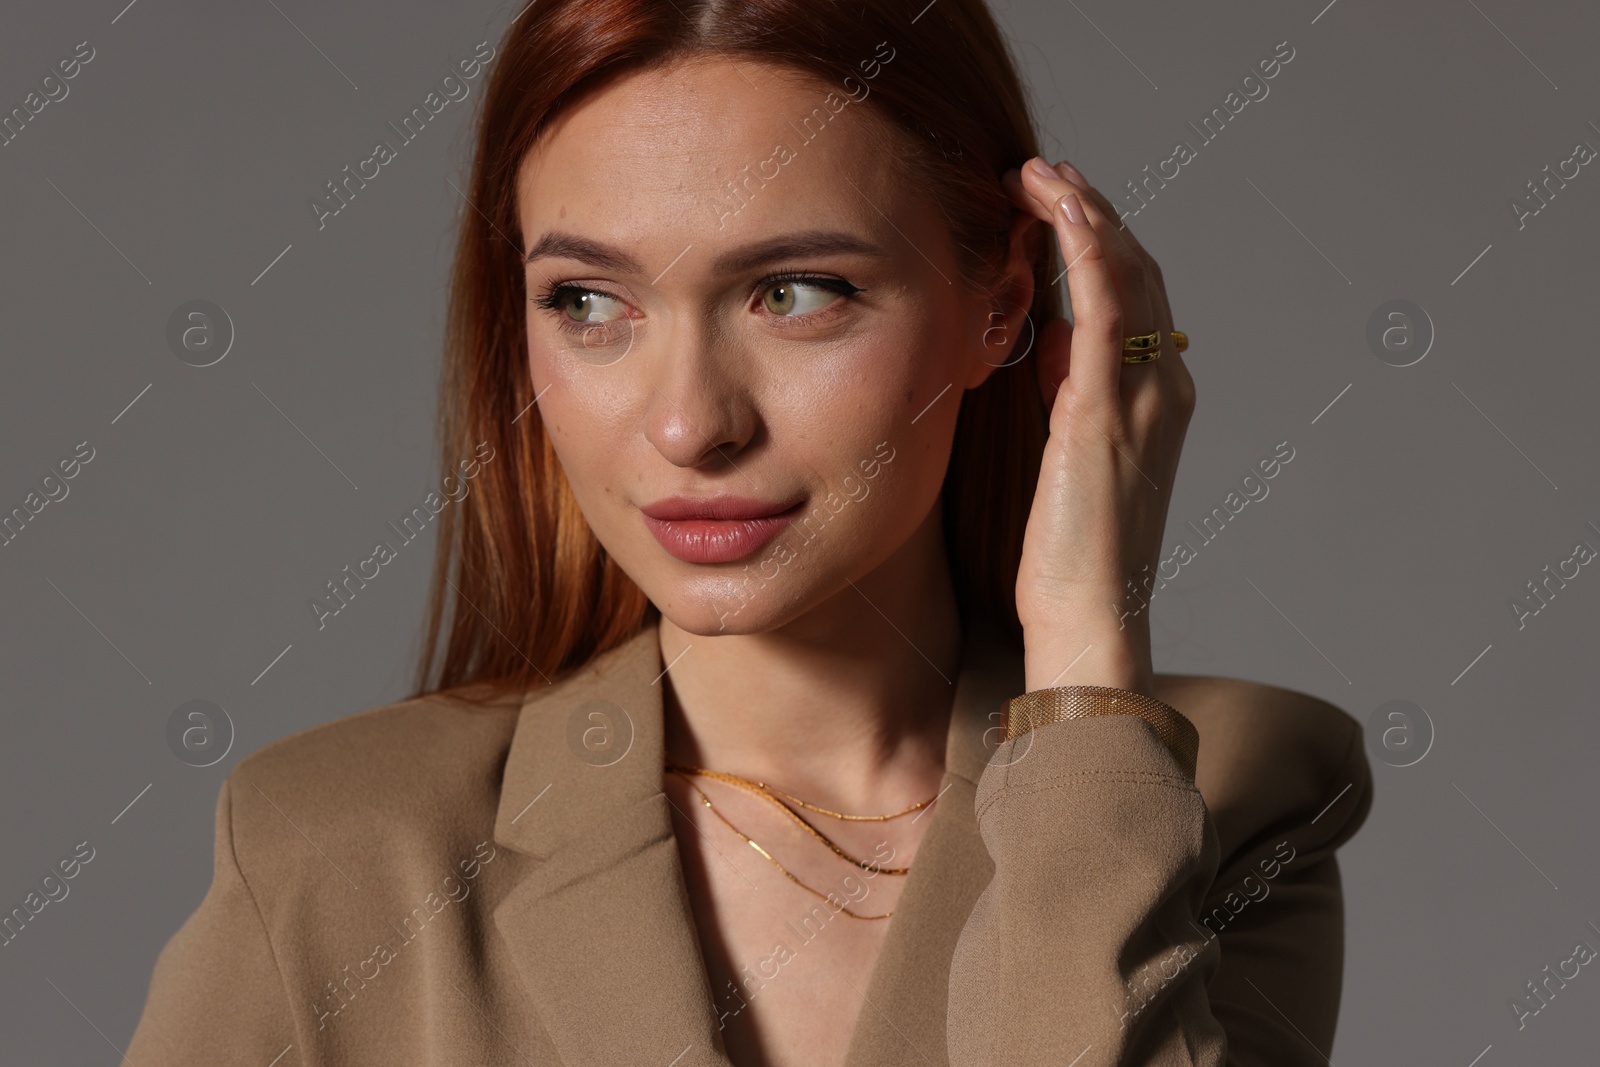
(427, 883)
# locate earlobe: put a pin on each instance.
(1010, 335)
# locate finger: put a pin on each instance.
(1128, 268)
(1156, 283)
(1167, 375)
(1054, 342)
(1024, 200)
(1106, 283)
(1073, 175)
(1153, 391)
(1101, 301)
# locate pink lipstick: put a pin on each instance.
(716, 529)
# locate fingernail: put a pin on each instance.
(1072, 174)
(1073, 209)
(1041, 168)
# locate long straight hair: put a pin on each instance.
(523, 592)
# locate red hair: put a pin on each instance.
(522, 590)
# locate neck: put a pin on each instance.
(847, 706)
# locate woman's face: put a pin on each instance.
(733, 299)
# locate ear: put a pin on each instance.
(1008, 332)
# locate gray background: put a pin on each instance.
(1380, 567)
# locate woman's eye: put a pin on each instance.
(585, 306)
(802, 296)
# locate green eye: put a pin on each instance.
(589, 307)
(802, 296)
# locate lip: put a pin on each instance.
(716, 529)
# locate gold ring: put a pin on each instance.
(1147, 346)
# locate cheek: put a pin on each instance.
(579, 427)
(892, 392)
(577, 401)
(874, 429)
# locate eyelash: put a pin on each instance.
(552, 298)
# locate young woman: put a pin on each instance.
(789, 697)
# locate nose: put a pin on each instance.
(700, 412)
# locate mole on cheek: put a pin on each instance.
(908, 395)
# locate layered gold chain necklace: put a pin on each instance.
(773, 794)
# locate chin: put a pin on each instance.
(719, 609)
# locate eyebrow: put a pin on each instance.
(557, 243)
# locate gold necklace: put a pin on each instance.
(749, 782)
(762, 789)
(747, 840)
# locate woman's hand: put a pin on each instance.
(1116, 430)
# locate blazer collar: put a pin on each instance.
(601, 927)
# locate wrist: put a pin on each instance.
(1089, 647)
(1087, 663)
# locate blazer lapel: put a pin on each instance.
(601, 928)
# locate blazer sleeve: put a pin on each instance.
(1277, 909)
(1088, 947)
(216, 995)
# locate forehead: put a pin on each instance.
(708, 147)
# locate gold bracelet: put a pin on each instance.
(1067, 702)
